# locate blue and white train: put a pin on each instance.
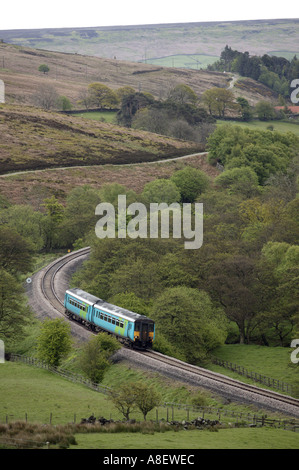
(130, 328)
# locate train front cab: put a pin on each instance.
(144, 333)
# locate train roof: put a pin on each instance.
(105, 306)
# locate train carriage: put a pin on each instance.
(130, 327)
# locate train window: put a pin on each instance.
(151, 327)
(113, 321)
(101, 316)
(137, 326)
(109, 319)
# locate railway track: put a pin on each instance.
(221, 379)
(48, 278)
(49, 292)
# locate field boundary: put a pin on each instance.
(170, 409)
(255, 376)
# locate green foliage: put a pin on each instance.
(79, 215)
(27, 222)
(265, 111)
(161, 190)
(266, 152)
(15, 251)
(130, 301)
(54, 341)
(135, 395)
(191, 183)
(193, 325)
(243, 181)
(44, 68)
(102, 96)
(146, 397)
(274, 72)
(64, 103)
(14, 314)
(54, 216)
(182, 94)
(94, 357)
(218, 101)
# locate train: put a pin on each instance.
(130, 328)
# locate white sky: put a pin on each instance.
(28, 14)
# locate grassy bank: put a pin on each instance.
(279, 126)
(39, 396)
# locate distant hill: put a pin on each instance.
(189, 45)
(70, 75)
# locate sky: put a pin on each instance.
(30, 14)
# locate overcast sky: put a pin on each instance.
(28, 14)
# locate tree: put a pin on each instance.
(54, 216)
(178, 311)
(15, 251)
(146, 397)
(182, 94)
(14, 314)
(79, 214)
(265, 111)
(54, 341)
(190, 182)
(239, 180)
(130, 105)
(265, 152)
(102, 96)
(232, 282)
(94, 358)
(64, 103)
(123, 399)
(246, 112)
(44, 68)
(45, 97)
(135, 395)
(161, 190)
(218, 100)
(26, 222)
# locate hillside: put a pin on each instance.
(34, 139)
(70, 74)
(190, 45)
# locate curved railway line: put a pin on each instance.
(278, 400)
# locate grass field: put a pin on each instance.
(272, 362)
(42, 397)
(237, 438)
(189, 61)
(279, 126)
(102, 116)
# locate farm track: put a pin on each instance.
(277, 400)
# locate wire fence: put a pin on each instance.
(168, 412)
(255, 376)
